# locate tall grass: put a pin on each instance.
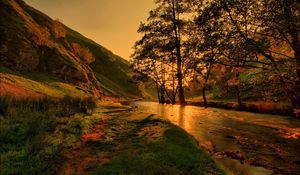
(62, 106)
(33, 132)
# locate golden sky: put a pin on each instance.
(111, 23)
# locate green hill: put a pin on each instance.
(38, 54)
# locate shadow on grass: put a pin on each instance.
(175, 152)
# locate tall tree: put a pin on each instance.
(152, 57)
(167, 24)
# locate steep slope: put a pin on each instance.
(32, 44)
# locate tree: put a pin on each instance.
(152, 58)
(257, 36)
(202, 43)
(282, 23)
(273, 24)
(167, 24)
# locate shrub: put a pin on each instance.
(58, 29)
(270, 107)
(83, 53)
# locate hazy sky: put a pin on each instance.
(111, 23)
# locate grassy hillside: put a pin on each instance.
(35, 47)
(111, 70)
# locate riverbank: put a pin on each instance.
(260, 107)
(110, 140)
(256, 107)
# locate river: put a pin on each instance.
(242, 143)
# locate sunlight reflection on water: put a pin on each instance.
(220, 130)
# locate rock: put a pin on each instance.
(235, 155)
(230, 137)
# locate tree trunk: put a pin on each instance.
(180, 86)
(203, 95)
(174, 90)
(297, 91)
(162, 95)
(238, 95)
(158, 94)
(171, 98)
(178, 53)
(205, 83)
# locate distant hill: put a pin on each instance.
(41, 55)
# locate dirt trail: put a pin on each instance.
(102, 142)
(81, 156)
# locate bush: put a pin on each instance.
(58, 29)
(83, 53)
(270, 107)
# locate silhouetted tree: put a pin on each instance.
(167, 24)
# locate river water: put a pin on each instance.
(242, 143)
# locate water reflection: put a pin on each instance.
(256, 138)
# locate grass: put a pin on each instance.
(40, 83)
(173, 154)
(21, 150)
(37, 134)
(106, 62)
(146, 145)
(63, 106)
(33, 133)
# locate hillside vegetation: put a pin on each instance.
(39, 55)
